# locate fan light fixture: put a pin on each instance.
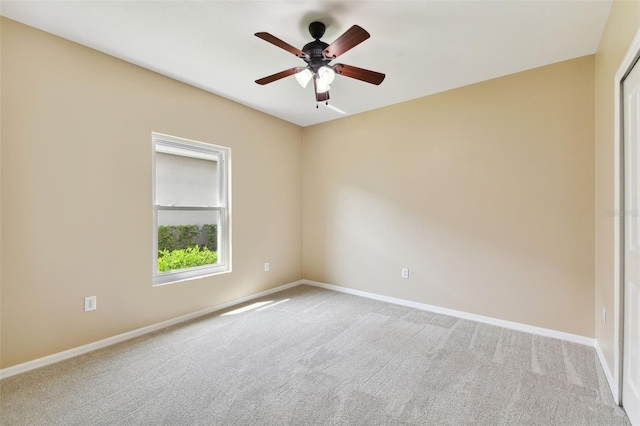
(324, 78)
(304, 77)
(326, 75)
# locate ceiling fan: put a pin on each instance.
(318, 55)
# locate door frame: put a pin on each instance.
(631, 57)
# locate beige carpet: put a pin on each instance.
(312, 357)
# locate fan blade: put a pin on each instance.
(281, 44)
(359, 73)
(320, 97)
(279, 75)
(347, 41)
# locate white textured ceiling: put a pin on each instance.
(423, 47)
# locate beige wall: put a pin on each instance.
(485, 192)
(76, 164)
(623, 23)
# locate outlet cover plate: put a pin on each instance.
(90, 303)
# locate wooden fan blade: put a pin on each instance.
(279, 75)
(320, 97)
(281, 44)
(359, 73)
(347, 41)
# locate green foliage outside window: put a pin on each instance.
(186, 246)
(212, 236)
(185, 258)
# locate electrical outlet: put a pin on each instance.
(405, 273)
(90, 303)
(266, 266)
(604, 314)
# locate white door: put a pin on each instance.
(631, 345)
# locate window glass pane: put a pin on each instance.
(187, 239)
(185, 181)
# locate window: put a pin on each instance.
(191, 212)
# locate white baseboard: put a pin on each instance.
(60, 356)
(607, 372)
(575, 338)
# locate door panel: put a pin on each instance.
(631, 344)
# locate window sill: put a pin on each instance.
(162, 280)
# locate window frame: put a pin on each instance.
(222, 155)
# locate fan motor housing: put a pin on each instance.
(315, 49)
